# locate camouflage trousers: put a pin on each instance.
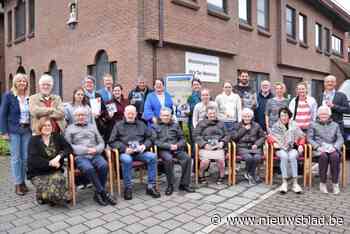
(51, 188)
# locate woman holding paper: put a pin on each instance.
(79, 100)
(98, 108)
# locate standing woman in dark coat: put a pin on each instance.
(45, 164)
(15, 125)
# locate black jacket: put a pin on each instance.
(208, 129)
(124, 132)
(137, 98)
(341, 106)
(247, 138)
(167, 134)
(38, 162)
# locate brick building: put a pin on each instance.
(273, 39)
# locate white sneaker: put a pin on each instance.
(284, 188)
(296, 188)
(323, 188)
(336, 189)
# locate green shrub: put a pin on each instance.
(4, 147)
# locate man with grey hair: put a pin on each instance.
(337, 101)
(88, 146)
(326, 140)
(133, 140)
(138, 96)
(47, 104)
(171, 143)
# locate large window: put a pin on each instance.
(244, 11)
(57, 78)
(9, 26)
(303, 28)
(318, 36)
(218, 5)
(31, 16)
(101, 67)
(337, 45)
(290, 21)
(20, 19)
(263, 14)
(327, 40)
(291, 85)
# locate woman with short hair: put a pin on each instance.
(15, 125)
(326, 140)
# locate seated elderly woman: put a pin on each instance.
(212, 137)
(249, 139)
(88, 146)
(286, 136)
(326, 140)
(45, 164)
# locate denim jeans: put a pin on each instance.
(94, 169)
(285, 156)
(19, 155)
(149, 158)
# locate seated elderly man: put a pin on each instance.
(88, 145)
(249, 138)
(132, 138)
(171, 143)
(326, 139)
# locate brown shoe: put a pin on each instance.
(24, 187)
(18, 190)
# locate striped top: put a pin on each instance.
(303, 115)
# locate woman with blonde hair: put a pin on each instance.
(15, 125)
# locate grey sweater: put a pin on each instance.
(328, 132)
(83, 137)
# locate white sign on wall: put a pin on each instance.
(203, 67)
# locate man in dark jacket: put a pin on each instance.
(132, 138)
(247, 93)
(138, 96)
(337, 101)
(263, 96)
(171, 143)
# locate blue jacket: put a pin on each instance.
(10, 114)
(105, 94)
(152, 106)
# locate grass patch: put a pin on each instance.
(4, 147)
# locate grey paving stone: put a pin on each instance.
(157, 229)
(8, 211)
(176, 210)
(22, 221)
(92, 214)
(239, 200)
(214, 198)
(184, 218)
(206, 207)
(229, 193)
(206, 191)
(75, 220)
(115, 225)
(196, 212)
(125, 211)
(40, 231)
(135, 228)
(21, 229)
(6, 226)
(179, 231)
(194, 196)
(39, 223)
(130, 219)
(144, 214)
(80, 228)
(99, 230)
(56, 218)
(192, 226)
(149, 222)
(164, 215)
(139, 207)
(229, 205)
(94, 223)
(110, 217)
(57, 226)
(170, 224)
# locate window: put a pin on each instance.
(244, 11)
(291, 85)
(57, 78)
(32, 82)
(20, 19)
(21, 70)
(337, 45)
(217, 5)
(263, 14)
(317, 90)
(302, 28)
(101, 67)
(328, 40)
(31, 16)
(318, 36)
(10, 82)
(9, 26)
(290, 22)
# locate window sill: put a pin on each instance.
(318, 50)
(303, 44)
(219, 14)
(31, 35)
(291, 40)
(246, 26)
(187, 3)
(19, 39)
(264, 32)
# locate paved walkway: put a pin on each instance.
(179, 213)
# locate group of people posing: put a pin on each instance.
(43, 132)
